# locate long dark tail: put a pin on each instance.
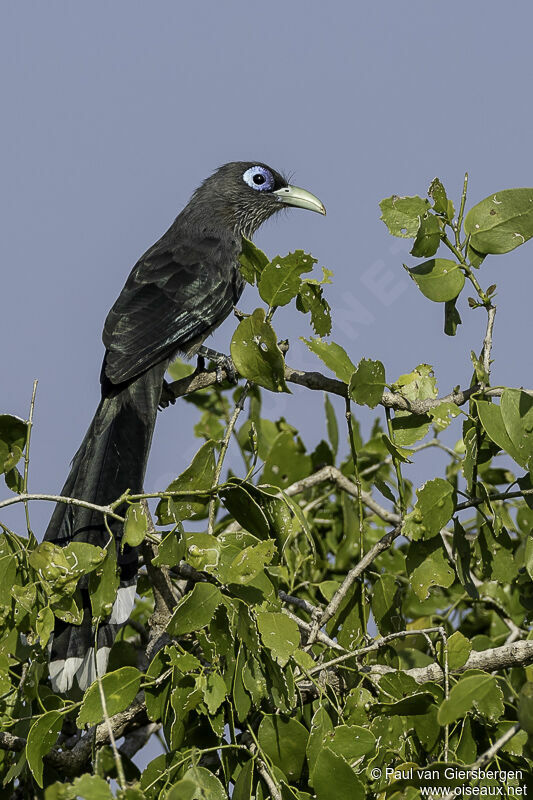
(111, 459)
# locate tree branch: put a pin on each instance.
(334, 475)
(316, 381)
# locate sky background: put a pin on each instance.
(113, 112)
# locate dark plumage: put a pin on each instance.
(179, 291)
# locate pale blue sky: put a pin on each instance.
(113, 112)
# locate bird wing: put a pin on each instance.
(176, 294)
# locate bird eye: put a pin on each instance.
(259, 178)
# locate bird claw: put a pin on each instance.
(167, 398)
(225, 368)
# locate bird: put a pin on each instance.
(176, 295)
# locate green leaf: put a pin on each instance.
(44, 625)
(367, 383)
(403, 215)
(386, 599)
(414, 705)
(279, 634)
(13, 432)
(439, 279)
(528, 556)
(480, 690)
(284, 741)
(120, 689)
(427, 565)
(251, 561)
(491, 418)
(256, 354)
(441, 204)
(246, 511)
(311, 300)
(443, 414)
(195, 610)
(252, 261)
(244, 782)
(434, 508)
(241, 698)
(334, 778)
(287, 461)
(156, 696)
(409, 428)
(214, 692)
(350, 741)
(331, 424)
(420, 384)
(103, 584)
(333, 356)
(206, 786)
(135, 526)
(92, 787)
(41, 738)
(501, 222)
(459, 649)
(452, 318)
(525, 707)
(197, 477)
(400, 453)
(321, 726)
(171, 550)
(517, 414)
(281, 279)
(428, 237)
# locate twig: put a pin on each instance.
(376, 645)
(457, 227)
(298, 601)
(225, 443)
(320, 636)
(477, 501)
(321, 383)
(27, 456)
(487, 341)
(333, 606)
(334, 475)
(489, 754)
(121, 778)
(57, 498)
(164, 597)
(397, 465)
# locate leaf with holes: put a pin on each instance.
(256, 355)
(403, 215)
(501, 222)
(281, 279)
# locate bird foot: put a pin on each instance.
(225, 368)
(167, 397)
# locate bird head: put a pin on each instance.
(244, 194)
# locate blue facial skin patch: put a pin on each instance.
(259, 178)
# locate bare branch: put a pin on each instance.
(56, 498)
(487, 341)
(489, 754)
(333, 606)
(320, 636)
(224, 449)
(334, 475)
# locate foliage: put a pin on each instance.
(331, 621)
